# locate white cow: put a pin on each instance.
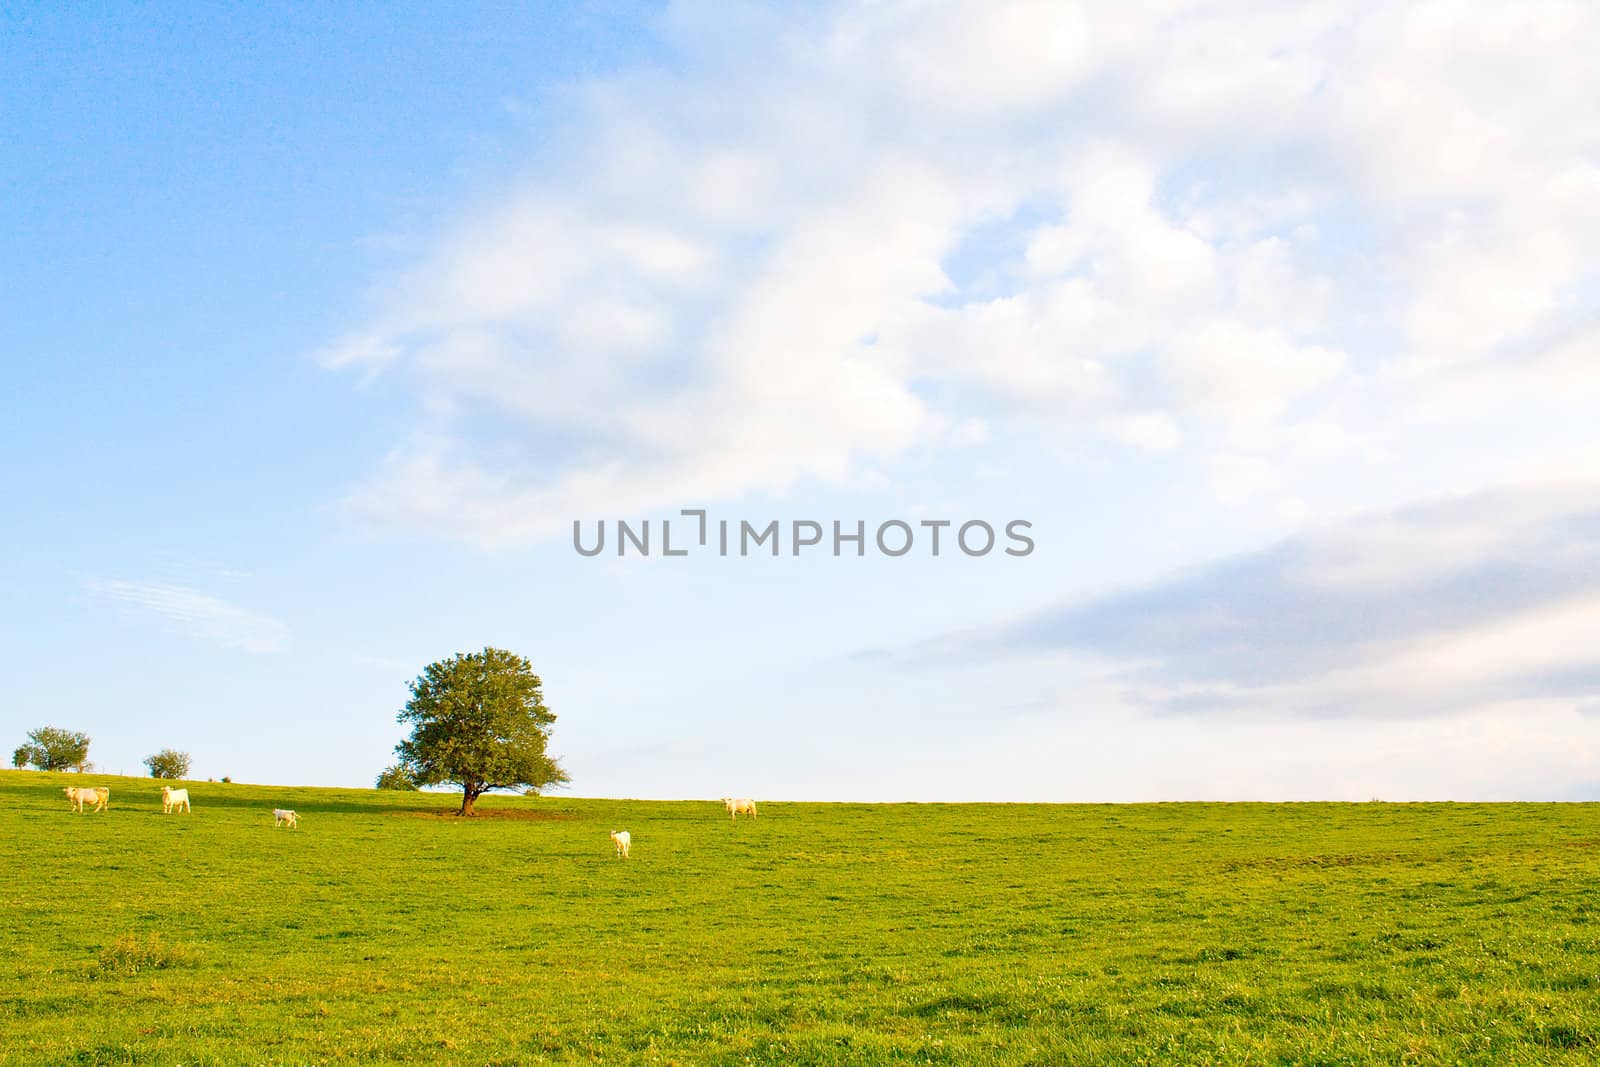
(739, 806)
(624, 842)
(285, 817)
(173, 800)
(99, 796)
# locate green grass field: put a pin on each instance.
(385, 930)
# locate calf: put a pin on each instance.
(739, 806)
(624, 842)
(173, 800)
(285, 817)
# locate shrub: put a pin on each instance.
(168, 763)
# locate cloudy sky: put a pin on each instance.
(1280, 325)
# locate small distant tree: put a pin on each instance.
(396, 777)
(51, 748)
(479, 721)
(168, 763)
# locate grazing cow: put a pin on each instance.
(99, 796)
(174, 799)
(285, 817)
(624, 842)
(739, 806)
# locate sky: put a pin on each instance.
(1277, 325)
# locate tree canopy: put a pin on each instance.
(51, 748)
(479, 721)
(395, 777)
(168, 763)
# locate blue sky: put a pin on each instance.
(321, 327)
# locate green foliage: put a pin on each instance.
(396, 777)
(51, 748)
(479, 721)
(168, 763)
(387, 932)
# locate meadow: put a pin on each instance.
(386, 930)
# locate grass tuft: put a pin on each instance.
(130, 954)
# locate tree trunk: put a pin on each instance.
(469, 797)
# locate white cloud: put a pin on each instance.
(1235, 479)
(1244, 377)
(834, 234)
(1271, 287)
(194, 614)
(1153, 431)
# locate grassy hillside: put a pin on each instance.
(386, 931)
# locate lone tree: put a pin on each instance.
(51, 748)
(479, 721)
(168, 763)
(396, 777)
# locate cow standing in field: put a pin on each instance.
(99, 796)
(173, 800)
(624, 842)
(739, 806)
(285, 817)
